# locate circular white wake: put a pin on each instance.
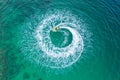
(59, 57)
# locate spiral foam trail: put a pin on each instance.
(59, 57)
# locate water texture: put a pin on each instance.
(59, 40)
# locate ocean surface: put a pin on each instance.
(59, 39)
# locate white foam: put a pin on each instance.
(56, 57)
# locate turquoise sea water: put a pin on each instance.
(85, 47)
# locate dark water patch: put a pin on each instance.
(26, 76)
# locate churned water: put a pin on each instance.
(59, 39)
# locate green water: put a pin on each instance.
(59, 38)
(100, 30)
